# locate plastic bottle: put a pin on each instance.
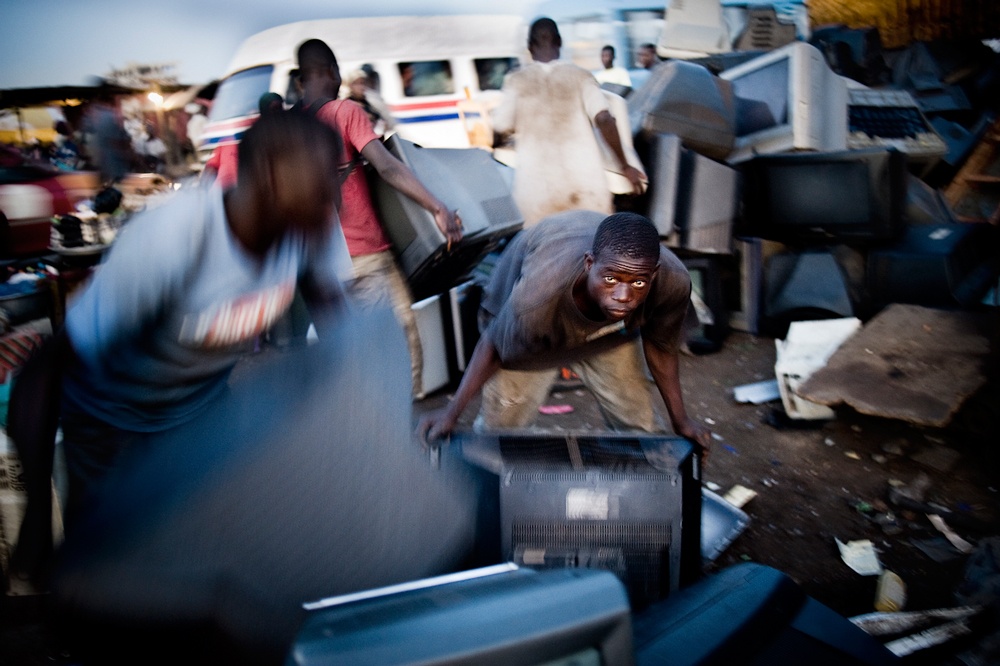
(890, 593)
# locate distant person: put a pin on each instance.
(377, 277)
(109, 145)
(647, 56)
(647, 59)
(360, 91)
(551, 108)
(65, 152)
(598, 293)
(609, 73)
(195, 126)
(222, 165)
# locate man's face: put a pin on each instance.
(607, 57)
(647, 58)
(618, 285)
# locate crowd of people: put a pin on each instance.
(286, 217)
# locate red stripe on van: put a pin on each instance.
(419, 106)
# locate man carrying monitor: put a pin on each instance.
(594, 292)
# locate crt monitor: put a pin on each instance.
(843, 196)
(496, 615)
(787, 99)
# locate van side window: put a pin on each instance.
(491, 71)
(238, 94)
(429, 77)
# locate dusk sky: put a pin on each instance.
(63, 42)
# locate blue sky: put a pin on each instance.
(67, 42)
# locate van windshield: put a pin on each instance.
(238, 94)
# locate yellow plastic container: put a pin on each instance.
(890, 593)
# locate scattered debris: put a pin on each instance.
(860, 556)
(739, 495)
(887, 624)
(852, 455)
(890, 593)
(960, 544)
(757, 393)
(929, 638)
(555, 409)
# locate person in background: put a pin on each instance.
(221, 167)
(597, 292)
(360, 91)
(647, 59)
(551, 108)
(195, 126)
(65, 152)
(617, 76)
(109, 146)
(377, 277)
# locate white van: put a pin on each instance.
(446, 62)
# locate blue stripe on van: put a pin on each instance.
(427, 119)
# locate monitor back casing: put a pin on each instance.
(468, 180)
(628, 503)
(516, 616)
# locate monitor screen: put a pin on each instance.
(787, 99)
(856, 195)
(762, 98)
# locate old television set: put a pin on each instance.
(492, 616)
(787, 99)
(694, 201)
(465, 179)
(856, 196)
(685, 99)
(629, 503)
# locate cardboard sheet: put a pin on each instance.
(908, 362)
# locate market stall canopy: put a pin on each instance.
(63, 95)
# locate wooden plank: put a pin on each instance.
(909, 362)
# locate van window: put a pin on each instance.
(239, 94)
(428, 77)
(491, 71)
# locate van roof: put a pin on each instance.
(396, 37)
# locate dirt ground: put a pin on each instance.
(828, 481)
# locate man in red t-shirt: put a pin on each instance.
(377, 276)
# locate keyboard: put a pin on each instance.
(892, 119)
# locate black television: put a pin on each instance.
(854, 196)
(491, 616)
(625, 502)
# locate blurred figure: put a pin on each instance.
(552, 107)
(647, 56)
(610, 74)
(361, 92)
(221, 167)
(195, 126)
(647, 59)
(108, 145)
(65, 152)
(377, 277)
(188, 287)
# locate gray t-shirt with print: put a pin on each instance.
(175, 304)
